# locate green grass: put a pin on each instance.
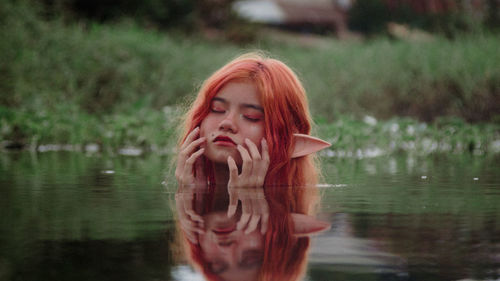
(83, 82)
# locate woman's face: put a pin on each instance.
(235, 114)
(231, 254)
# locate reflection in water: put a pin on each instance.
(63, 218)
(340, 250)
(222, 248)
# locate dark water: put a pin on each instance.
(68, 216)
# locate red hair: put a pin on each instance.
(286, 112)
(285, 255)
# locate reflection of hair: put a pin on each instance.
(285, 255)
(285, 113)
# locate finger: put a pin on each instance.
(246, 207)
(190, 137)
(264, 210)
(233, 204)
(179, 204)
(188, 165)
(263, 165)
(233, 197)
(200, 170)
(192, 237)
(188, 208)
(243, 221)
(265, 150)
(185, 152)
(263, 223)
(254, 151)
(188, 225)
(194, 216)
(191, 226)
(233, 170)
(246, 168)
(252, 225)
(187, 204)
(256, 176)
(193, 145)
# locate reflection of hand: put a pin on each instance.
(189, 157)
(191, 223)
(247, 187)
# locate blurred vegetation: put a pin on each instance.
(372, 17)
(117, 83)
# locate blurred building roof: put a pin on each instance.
(293, 12)
(260, 11)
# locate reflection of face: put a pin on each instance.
(231, 254)
(235, 114)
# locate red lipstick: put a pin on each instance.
(224, 141)
(224, 230)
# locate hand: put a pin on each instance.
(189, 157)
(247, 187)
(191, 223)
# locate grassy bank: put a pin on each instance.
(148, 130)
(120, 85)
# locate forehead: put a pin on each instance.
(240, 92)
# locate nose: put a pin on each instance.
(229, 123)
(230, 248)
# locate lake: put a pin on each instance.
(72, 216)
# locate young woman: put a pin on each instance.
(248, 131)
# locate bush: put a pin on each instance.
(172, 13)
(372, 16)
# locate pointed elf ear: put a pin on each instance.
(304, 225)
(305, 144)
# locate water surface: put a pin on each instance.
(71, 216)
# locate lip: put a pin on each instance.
(224, 141)
(224, 230)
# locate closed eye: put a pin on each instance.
(251, 258)
(218, 267)
(217, 110)
(252, 118)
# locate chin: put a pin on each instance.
(220, 156)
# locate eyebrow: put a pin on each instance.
(246, 105)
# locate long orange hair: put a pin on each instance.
(285, 254)
(286, 112)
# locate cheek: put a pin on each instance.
(206, 244)
(255, 133)
(208, 125)
(204, 128)
(253, 240)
